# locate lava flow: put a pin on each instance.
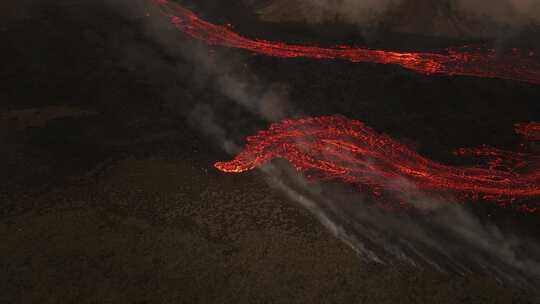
(452, 61)
(334, 148)
(529, 131)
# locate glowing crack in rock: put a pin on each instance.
(453, 61)
(334, 148)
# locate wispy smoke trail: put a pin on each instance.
(504, 11)
(354, 11)
(450, 239)
(512, 12)
(463, 18)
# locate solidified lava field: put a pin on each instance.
(112, 118)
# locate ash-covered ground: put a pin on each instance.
(110, 125)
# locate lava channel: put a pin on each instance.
(452, 61)
(334, 148)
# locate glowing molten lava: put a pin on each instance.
(529, 131)
(476, 62)
(334, 148)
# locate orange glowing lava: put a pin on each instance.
(475, 62)
(334, 148)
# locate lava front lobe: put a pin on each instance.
(334, 148)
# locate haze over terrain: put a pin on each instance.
(453, 18)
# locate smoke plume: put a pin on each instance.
(511, 12)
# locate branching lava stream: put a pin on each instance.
(334, 148)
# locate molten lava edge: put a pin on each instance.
(449, 62)
(334, 148)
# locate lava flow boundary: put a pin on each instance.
(464, 61)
